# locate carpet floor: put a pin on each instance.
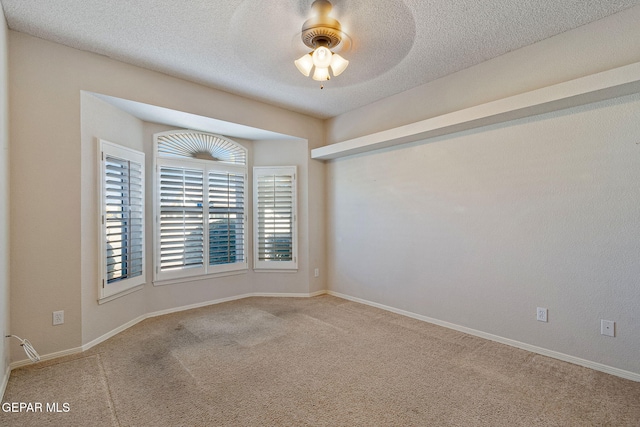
(320, 361)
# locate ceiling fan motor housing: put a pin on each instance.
(321, 30)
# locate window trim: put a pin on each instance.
(205, 271)
(275, 266)
(110, 291)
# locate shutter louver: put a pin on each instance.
(226, 218)
(181, 218)
(275, 221)
(123, 192)
(199, 145)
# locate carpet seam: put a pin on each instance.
(112, 405)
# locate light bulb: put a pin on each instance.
(321, 74)
(322, 57)
(338, 64)
(304, 64)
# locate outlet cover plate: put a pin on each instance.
(58, 317)
(541, 314)
(608, 327)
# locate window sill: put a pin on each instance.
(198, 277)
(120, 294)
(275, 270)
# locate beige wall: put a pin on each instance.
(4, 204)
(54, 200)
(102, 121)
(481, 227)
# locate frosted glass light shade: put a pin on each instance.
(304, 64)
(321, 74)
(322, 57)
(338, 64)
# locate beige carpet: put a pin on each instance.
(321, 361)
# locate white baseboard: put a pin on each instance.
(139, 319)
(318, 293)
(524, 346)
(113, 332)
(5, 381)
(49, 356)
(196, 305)
(288, 295)
(513, 343)
(221, 300)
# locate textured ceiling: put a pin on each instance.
(248, 47)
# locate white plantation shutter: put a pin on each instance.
(122, 218)
(181, 218)
(199, 208)
(275, 230)
(199, 145)
(226, 218)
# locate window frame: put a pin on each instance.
(108, 291)
(273, 265)
(206, 166)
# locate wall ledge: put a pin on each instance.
(573, 93)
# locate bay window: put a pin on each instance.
(200, 202)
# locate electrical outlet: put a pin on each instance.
(316, 272)
(58, 317)
(541, 314)
(608, 327)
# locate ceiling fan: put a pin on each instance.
(322, 33)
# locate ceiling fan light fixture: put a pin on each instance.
(338, 64)
(322, 33)
(321, 74)
(305, 64)
(322, 57)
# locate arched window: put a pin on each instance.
(200, 205)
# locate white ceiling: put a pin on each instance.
(247, 47)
